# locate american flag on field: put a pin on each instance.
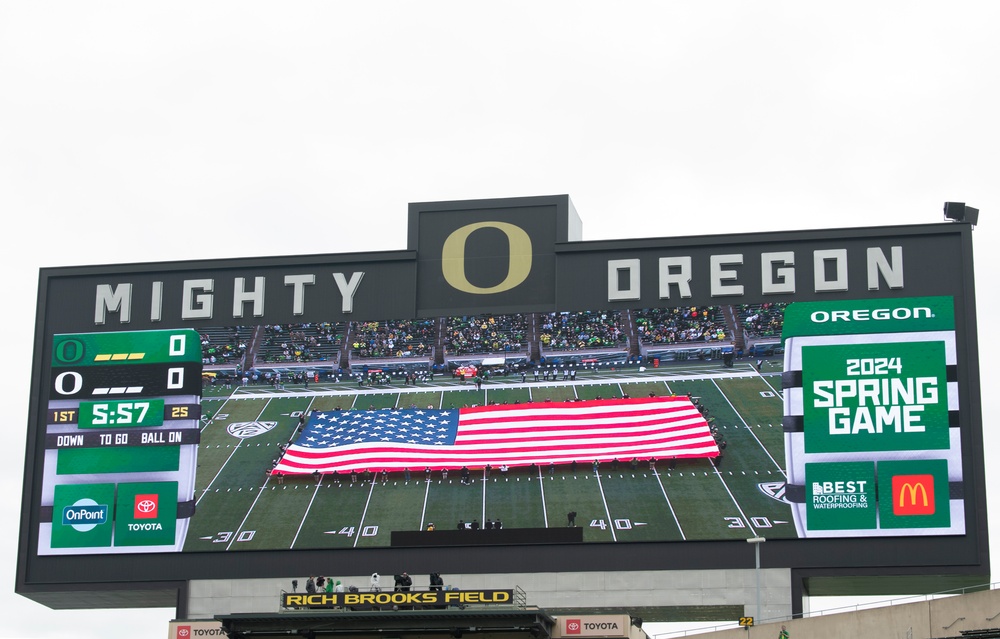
(515, 435)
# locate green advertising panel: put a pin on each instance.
(914, 494)
(147, 514)
(82, 515)
(875, 396)
(872, 444)
(841, 495)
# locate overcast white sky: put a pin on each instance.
(149, 131)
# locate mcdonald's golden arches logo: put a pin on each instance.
(913, 495)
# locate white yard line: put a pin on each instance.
(221, 468)
(611, 523)
(361, 524)
(423, 509)
(482, 517)
(247, 516)
(669, 505)
(731, 496)
(305, 515)
(541, 487)
(590, 380)
(750, 430)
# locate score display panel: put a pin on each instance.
(121, 442)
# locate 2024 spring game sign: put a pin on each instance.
(872, 442)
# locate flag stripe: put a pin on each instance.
(515, 435)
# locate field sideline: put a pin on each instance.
(241, 507)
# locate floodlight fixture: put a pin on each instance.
(960, 212)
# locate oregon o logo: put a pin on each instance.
(69, 351)
(453, 258)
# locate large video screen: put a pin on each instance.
(162, 441)
(644, 403)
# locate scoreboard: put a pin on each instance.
(857, 449)
(121, 442)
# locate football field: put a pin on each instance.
(240, 506)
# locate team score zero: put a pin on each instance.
(874, 366)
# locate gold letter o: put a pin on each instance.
(453, 258)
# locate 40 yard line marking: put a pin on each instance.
(361, 524)
(305, 515)
(607, 510)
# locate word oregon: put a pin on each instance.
(894, 404)
(864, 314)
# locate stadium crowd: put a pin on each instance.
(400, 338)
(675, 325)
(486, 334)
(571, 331)
(763, 320)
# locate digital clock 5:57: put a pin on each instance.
(121, 413)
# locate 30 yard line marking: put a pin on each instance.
(731, 496)
(246, 516)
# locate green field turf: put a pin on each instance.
(241, 507)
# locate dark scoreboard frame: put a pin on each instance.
(511, 256)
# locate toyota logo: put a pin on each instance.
(183, 632)
(146, 506)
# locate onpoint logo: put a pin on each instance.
(573, 626)
(913, 495)
(85, 514)
(146, 506)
